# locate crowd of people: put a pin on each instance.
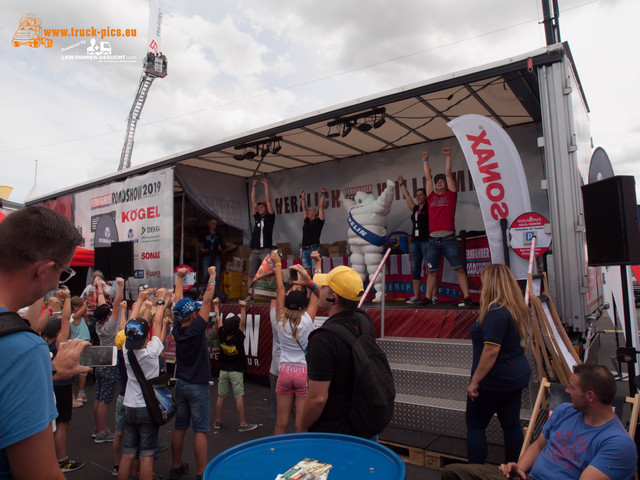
(312, 372)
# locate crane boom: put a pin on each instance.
(155, 65)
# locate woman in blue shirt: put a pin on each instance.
(500, 369)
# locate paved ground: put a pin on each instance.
(98, 459)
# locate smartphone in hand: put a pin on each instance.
(99, 356)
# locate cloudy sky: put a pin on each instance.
(235, 66)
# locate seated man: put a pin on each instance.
(583, 439)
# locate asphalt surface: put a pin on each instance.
(99, 461)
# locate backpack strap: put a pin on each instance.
(11, 322)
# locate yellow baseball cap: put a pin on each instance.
(120, 338)
(345, 281)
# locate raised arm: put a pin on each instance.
(179, 292)
(115, 314)
(65, 319)
(428, 185)
(267, 195)
(254, 199)
(451, 182)
(303, 204)
(317, 262)
(33, 313)
(143, 295)
(123, 315)
(158, 319)
(323, 197)
(243, 315)
(403, 188)
(208, 294)
(53, 305)
(279, 282)
(305, 280)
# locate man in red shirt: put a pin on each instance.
(442, 197)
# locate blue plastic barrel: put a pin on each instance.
(265, 458)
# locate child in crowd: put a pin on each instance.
(140, 433)
(233, 362)
(54, 333)
(79, 329)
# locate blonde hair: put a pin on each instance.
(293, 317)
(500, 288)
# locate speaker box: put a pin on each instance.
(122, 259)
(611, 221)
(102, 261)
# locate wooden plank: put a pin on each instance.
(438, 461)
(408, 454)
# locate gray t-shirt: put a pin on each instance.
(107, 332)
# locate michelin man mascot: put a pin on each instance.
(367, 220)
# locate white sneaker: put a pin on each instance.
(413, 300)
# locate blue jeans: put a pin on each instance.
(479, 413)
(208, 261)
(140, 433)
(305, 256)
(418, 252)
(447, 247)
(192, 406)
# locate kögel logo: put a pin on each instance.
(140, 214)
(151, 273)
(150, 255)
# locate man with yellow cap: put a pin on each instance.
(329, 359)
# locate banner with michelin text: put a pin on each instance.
(498, 175)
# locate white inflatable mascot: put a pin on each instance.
(367, 220)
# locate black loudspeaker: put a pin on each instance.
(102, 261)
(611, 221)
(122, 259)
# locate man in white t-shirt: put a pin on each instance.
(140, 433)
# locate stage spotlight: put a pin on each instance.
(346, 130)
(333, 133)
(276, 148)
(364, 126)
(238, 156)
(379, 121)
(249, 155)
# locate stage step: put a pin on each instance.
(443, 352)
(431, 377)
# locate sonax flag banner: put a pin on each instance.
(501, 186)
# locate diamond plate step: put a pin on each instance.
(440, 416)
(445, 352)
(431, 381)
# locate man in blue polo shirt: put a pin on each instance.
(36, 247)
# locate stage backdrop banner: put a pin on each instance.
(501, 185)
(139, 210)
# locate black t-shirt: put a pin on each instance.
(311, 231)
(329, 359)
(420, 223)
(211, 242)
(192, 351)
(232, 356)
(264, 226)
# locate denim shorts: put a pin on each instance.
(106, 380)
(418, 252)
(231, 381)
(192, 406)
(120, 413)
(450, 250)
(140, 434)
(305, 255)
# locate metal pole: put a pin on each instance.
(505, 247)
(384, 290)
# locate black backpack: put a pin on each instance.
(11, 322)
(374, 392)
